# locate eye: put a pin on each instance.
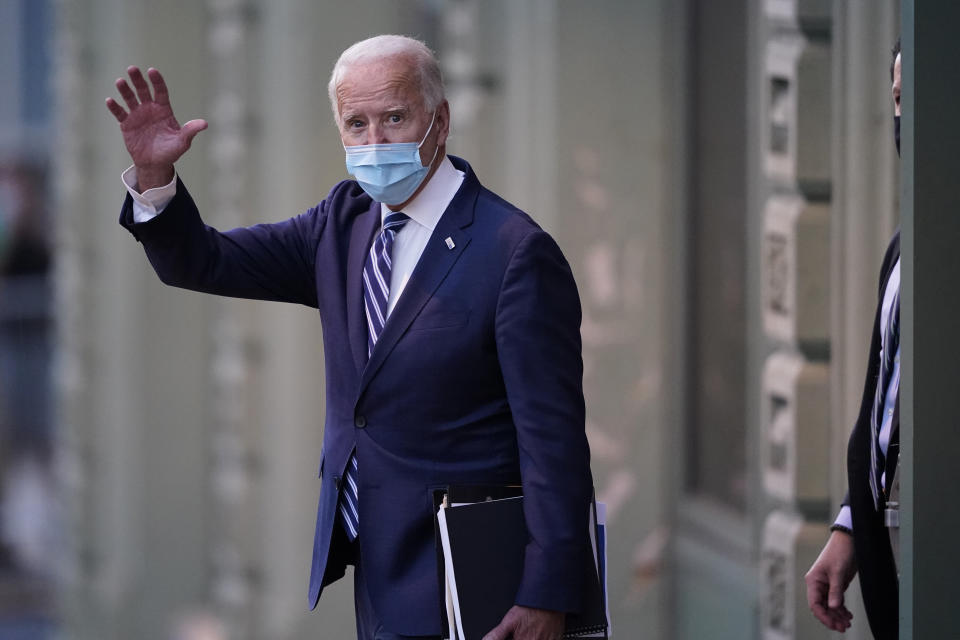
(395, 118)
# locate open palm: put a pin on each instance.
(154, 138)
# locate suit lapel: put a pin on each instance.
(436, 262)
(361, 238)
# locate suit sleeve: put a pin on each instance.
(538, 343)
(262, 262)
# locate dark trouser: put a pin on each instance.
(368, 623)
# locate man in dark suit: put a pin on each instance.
(860, 539)
(450, 329)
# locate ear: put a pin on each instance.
(442, 123)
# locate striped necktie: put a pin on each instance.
(891, 349)
(376, 295)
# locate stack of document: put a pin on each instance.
(482, 538)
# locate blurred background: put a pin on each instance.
(721, 175)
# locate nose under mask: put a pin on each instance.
(392, 172)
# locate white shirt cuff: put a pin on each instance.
(844, 519)
(150, 203)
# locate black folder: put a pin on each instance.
(487, 541)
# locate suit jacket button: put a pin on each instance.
(360, 422)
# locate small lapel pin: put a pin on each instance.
(449, 242)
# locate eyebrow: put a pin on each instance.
(404, 109)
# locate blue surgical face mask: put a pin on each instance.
(389, 173)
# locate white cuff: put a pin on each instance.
(150, 203)
(844, 518)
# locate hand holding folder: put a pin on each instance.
(528, 622)
(482, 540)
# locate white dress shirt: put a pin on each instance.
(408, 245)
(424, 212)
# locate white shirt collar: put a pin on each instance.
(429, 205)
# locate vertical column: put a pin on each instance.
(234, 474)
(532, 100)
(795, 435)
(71, 365)
(930, 556)
(129, 379)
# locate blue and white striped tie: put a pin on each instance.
(376, 277)
(376, 294)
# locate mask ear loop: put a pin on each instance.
(424, 139)
(436, 149)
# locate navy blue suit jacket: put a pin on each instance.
(477, 378)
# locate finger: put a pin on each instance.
(143, 91)
(817, 600)
(118, 112)
(820, 613)
(816, 590)
(160, 94)
(831, 619)
(843, 614)
(841, 619)
(192, 128)
(502, 631)
(498, 633)
(835, 619)
(127, 94)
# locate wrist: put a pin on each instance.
(153, 177)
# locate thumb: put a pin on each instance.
(192, 128)
(835, 595)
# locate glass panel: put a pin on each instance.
(716, 429)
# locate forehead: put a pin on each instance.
(383, 83)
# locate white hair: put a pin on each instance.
(385, 46)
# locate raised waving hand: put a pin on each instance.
(154, 138)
